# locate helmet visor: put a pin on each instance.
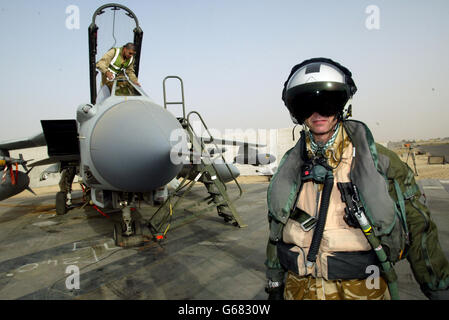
(326, 98)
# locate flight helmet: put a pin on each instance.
(317, 85)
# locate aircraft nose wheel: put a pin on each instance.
(134, 240)
(61, 203)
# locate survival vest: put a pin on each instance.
(368, 172)
(117, 64)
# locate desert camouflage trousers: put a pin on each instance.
(310, 288)
(67, 177)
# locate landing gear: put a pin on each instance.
(64, 197)
(118, 234)
(127, 241)
(128, 232)
(61, 203)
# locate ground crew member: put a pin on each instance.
(65, 183)
(342, 206)
(116, 61)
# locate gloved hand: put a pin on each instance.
(276, 293)
(438, 295)
(109, 75)
(442, 294)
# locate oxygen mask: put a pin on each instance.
(316, 170)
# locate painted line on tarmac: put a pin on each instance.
(50, 206)
(43, 209)
(434, 187)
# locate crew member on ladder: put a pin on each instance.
(116, 61)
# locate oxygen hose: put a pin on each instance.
(322, 215)
(389, 273)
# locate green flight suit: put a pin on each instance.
(428, 263)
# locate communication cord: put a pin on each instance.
(322, 215)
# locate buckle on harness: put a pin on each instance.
(305, 220)
(308, 224)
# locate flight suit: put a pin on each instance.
(104, 64)
(338, 236)
(340, 271)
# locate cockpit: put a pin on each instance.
(124, 87)
(120, 87)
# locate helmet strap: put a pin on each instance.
(347, 110)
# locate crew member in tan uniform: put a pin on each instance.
(116, 61)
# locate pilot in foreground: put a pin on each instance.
(342, 208)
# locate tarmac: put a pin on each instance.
(43, 255)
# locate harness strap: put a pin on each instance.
(116, 69)
(305, 220)
(322, 216)
(112, 67)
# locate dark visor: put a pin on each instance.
(326, 98)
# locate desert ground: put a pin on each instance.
(424, 170)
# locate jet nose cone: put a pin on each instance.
(130, 146)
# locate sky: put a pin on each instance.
(234, 56)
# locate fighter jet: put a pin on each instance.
(122, 145)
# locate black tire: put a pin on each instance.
(118, 236)
(137, 228)
(61, 207)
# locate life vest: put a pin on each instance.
(339, 239)
(117, 64)
(368, 171)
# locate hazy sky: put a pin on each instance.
(234, 56)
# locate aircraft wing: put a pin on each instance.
(56, 159)
(60, 137)
(220, 141)
(35, 141)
